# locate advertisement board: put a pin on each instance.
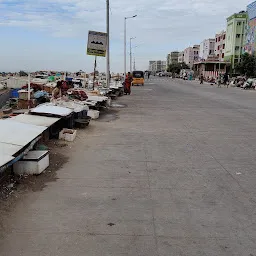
(97, 43)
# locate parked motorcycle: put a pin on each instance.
(249, 84)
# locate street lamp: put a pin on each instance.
(134, 67)
(108, 55)
(131, 38)
(126, 18)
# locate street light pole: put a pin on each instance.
(108, 35)
(131, 38)
(125, 47)
(125, 18)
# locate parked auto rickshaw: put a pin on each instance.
(138, 78)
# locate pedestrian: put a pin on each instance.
(219, 81)
(201, 79)
(148, 75)
(226, 79)
(56, 93)
(128, 84)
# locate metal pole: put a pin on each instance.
(131, 54)
(124, 47)
(94, 73)
(108, 56)
(28, 90)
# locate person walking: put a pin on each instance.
(201, 79)
(128, 84)
(226, 79)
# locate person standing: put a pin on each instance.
(226, 79)
(201, 79)
(128, 84)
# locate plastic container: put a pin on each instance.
(94, 114)
(34, 163)
(23, 94)
(67, 135)
(14, 93)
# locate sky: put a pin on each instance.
(52, 34)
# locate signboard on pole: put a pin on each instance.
(97, 43)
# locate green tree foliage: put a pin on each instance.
(247, 66)
(176, 67)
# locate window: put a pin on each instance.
(224, 37)
(218, 55)
(223, 46)
(237, 48)
(219, 39)
(239, 23)
(216, 39)
(238, 35)
(218, 47)
(223, 55)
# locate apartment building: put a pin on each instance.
(172, 58)
(220, 40)
(181, 57)
(157, 66)
(235, 31)
(191, 55)
(206, 49)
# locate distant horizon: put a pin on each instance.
(52, 34)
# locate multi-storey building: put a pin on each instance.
(157, 66)
(206, 49)
(191, 55)
(181, 57)
(172, 58)
(219, 50)
(235, 37)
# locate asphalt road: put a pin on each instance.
(171, 174)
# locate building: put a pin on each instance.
(150, 65)
(191, 55)
(250, 30)
(236, 24)
(206, 49)
(220, 40)
(157, 66)
(210, 67)
(181, 57)
(172, 58)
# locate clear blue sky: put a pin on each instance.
(52, 34)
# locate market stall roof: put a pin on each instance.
(9, 149)
(36, 120)
(51, 110)
(16, 133)
(4, 159)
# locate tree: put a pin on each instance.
(247, 66)
(176, 67)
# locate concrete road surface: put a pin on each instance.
(171, 174)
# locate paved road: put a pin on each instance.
(174, 175)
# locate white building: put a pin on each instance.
(219, 50)
(181, 57)
(191, 55)
(206, 49)
(157, 66)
